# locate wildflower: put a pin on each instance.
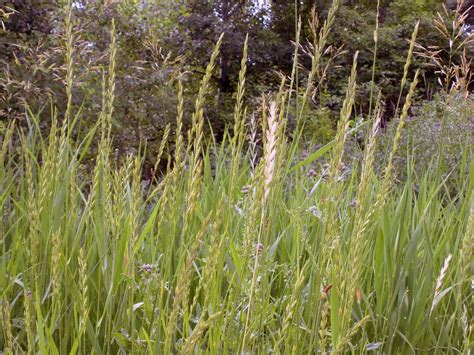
(147, 268)
(314, 211)
(245, 190)
(239, 210)
(312, 173)
(259, 248)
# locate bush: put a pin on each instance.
(434, 137)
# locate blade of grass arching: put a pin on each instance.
(147, 229)
(83, 148)
(34, 131)
(323, 150)
(77, 119)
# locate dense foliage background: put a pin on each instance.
(161, 42)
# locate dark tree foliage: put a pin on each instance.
(30, 16)
(208, 19)
(160, 41)
(27, 54)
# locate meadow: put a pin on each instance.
(238, 246)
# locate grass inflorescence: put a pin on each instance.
(228, 251)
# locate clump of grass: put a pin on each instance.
(229, 254)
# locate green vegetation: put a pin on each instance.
(256, 242)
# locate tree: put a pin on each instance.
(208, 19)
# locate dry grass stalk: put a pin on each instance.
(271, 144)
(439, 281)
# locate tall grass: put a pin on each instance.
(231, 253)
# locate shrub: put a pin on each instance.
(435, 137)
